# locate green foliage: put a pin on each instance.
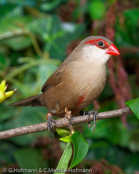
(66, 133)
(59, 35)
(134, 106)
(131, 26)
(63, 132)
(25, 158)
(35, 37)
(80, 148)
(96, 10)
(66, 139)
(64, 160)
(25, 116)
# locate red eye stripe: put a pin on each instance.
(94, 42)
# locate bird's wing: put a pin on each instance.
(54, 79)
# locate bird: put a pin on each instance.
(78, 81)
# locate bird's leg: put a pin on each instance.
(95, 113)
(50, 123)
(69, 117)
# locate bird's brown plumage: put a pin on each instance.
(75, 84)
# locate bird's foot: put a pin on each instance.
(94, 113)
(50, 123)
(69, 118)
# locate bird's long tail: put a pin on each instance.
(31, 101)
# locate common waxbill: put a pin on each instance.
(78, 81)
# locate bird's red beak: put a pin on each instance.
(112, 50)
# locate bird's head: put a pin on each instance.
(98, 49)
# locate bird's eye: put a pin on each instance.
(100, 43)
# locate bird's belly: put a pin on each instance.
(89, 93)
(78, 90)
(82, 89)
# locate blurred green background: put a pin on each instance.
(35, 37)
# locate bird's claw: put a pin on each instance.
(94, 113)
(68, 116)
(51, 123)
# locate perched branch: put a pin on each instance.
(63, 122)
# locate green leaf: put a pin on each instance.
(18, 43)
(59, 35)
(66, 139)
(96, 10)
(130, 28)
(47, 6)
(104, 129)
(9, 9)
(132, 14)
(134, 106)
(2, 59)
(80, 148)
(63, 132)
(10, 26)
(28, 158)
(6, 152)
(45, 71)
(63, 163)
(6, 113)
(134, 140)
(23, 117)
